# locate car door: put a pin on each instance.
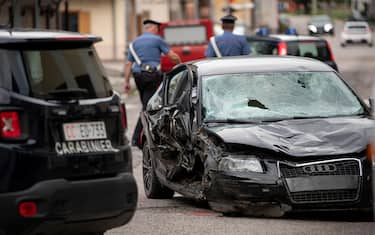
(174, 124)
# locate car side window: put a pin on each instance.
(5, 71)
(156, 101)
(263, 48)
(176, 86)
(12, 74)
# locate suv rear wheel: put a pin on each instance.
(152, 185)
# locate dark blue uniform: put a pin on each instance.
(149, 48)
(229, 44)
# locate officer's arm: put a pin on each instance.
(168, 52)
(174, 57)
(127, 72)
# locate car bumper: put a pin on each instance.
(366, 38)
(79, 206)
(273, 195)
(321, 31)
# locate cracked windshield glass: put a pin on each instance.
(263, 96)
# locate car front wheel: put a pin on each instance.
(152, 185)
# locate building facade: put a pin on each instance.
(105, 18)
(118, 22)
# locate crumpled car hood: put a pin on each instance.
(303, 137)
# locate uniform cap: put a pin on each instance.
(149, 21)
(228, 19)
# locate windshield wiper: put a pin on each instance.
(297, 117)
(289, 118)
(69, 93)
(232, 121)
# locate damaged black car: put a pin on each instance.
(258, 136)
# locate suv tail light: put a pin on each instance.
(10, 125)
(27, 209)
(124, 119)
(281, 48)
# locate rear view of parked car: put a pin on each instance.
(356, 32)
(66, 164)
(294, 45)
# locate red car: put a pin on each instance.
(189, 39)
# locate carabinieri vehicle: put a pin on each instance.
(65, 164)
(259, 136)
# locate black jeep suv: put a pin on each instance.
(65, 162)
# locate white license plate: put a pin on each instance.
(84, 131)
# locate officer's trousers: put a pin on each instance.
(147, 84)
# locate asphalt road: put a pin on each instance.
(183, 216)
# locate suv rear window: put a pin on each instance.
(180, 35)
(317, 50)
(51, 71)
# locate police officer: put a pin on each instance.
(144, 62)
(228, 44)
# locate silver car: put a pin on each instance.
(356, 32)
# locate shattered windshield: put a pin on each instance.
(277, 96)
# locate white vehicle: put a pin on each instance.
(356, 32)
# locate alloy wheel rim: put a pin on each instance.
(147, 169)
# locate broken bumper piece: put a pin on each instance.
(256, 196)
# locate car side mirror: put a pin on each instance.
(194, 96)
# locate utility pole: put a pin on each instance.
(314, 7)
(36, 22)
(196, 7)
(15, 14)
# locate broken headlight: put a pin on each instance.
(240, 164)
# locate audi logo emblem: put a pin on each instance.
(321, 168)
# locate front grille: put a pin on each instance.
(334, 168)
(324, 196)
(320, 29)
(344, 167)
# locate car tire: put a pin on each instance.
(152, 186)
(342, 44)
(370, 44)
